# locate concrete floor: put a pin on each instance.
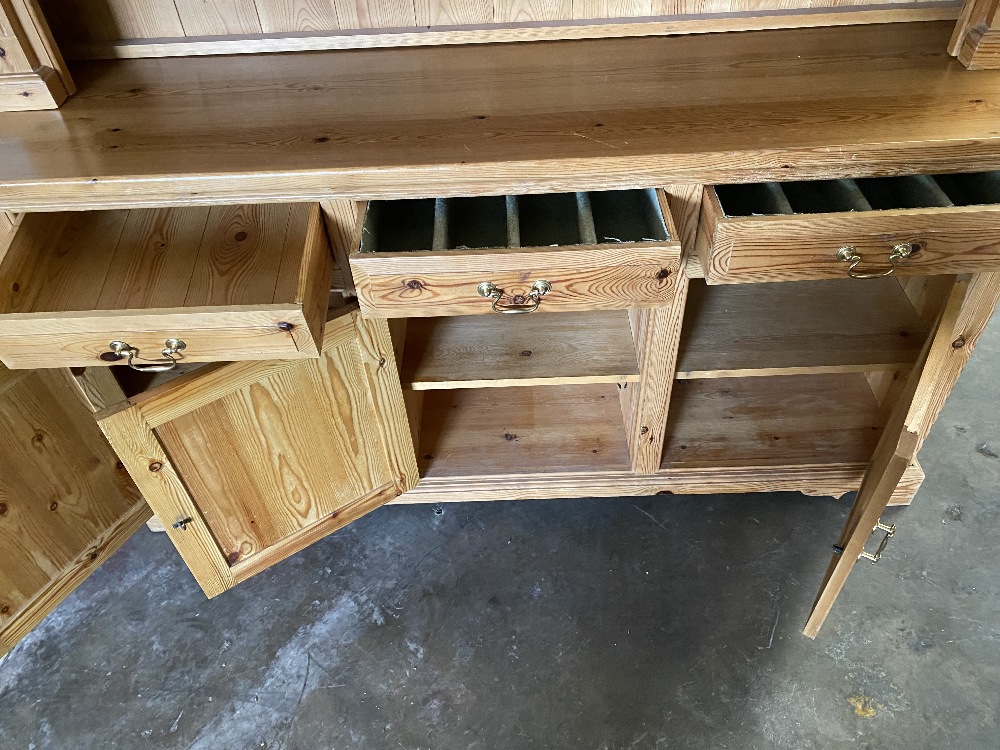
(667, 622)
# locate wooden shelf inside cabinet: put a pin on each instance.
(230, 282)
(797, 328)
(521, 431)
(492, 351)
(793, 420)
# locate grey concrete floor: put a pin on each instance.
(666, 622)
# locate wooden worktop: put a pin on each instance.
(856, 100)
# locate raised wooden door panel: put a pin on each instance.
(247, 463)
(231, 282)
(815, 230)
(65, 502)
(590, 251)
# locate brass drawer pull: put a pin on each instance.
(521, 303)
(850, 254)
(889, 531)
(171, 355)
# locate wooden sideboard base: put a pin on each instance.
(834, 481)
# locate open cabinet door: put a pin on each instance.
(246, 463)
(963, 318)
(65, 502)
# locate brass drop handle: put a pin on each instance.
(889, 531)
(522, 303)
(850, 254)
(171, 352)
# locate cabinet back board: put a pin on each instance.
(154, 28)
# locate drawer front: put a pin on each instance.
(546, 253)
(231, 282)
(602, 278)
(201, 345)
(931, 240)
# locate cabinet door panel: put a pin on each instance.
(964, 317)
(65, 505)
(265, 458)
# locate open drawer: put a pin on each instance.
(516, 253)
(826, 229)
(188, 284)
(245, 463)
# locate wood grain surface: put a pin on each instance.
(492, 351)
(232, 282)
(799, 327)
(804, 246)
(515, 431)
(580, 115)
(585, 277)
(777, 421)
(266, 457)
(65, 505)
(822, 481)
(968, 308)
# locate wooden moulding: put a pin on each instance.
(976, 39)
(459, 120)
(232, 282)
(821, 481)
(794, 231)
(33, 74)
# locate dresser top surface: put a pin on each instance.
(480, 119)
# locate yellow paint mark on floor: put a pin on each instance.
(864, 706)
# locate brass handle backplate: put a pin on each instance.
(171, 353)
(520, 303)
(850, 254)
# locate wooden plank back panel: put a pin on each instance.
(298, 15)
(52, 278)
(89, 21)
(233, 266)
(217, 17)
(155, 259)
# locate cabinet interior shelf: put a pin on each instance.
(533, 430)
(791, 420)
(490, 351)
(786, 328)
